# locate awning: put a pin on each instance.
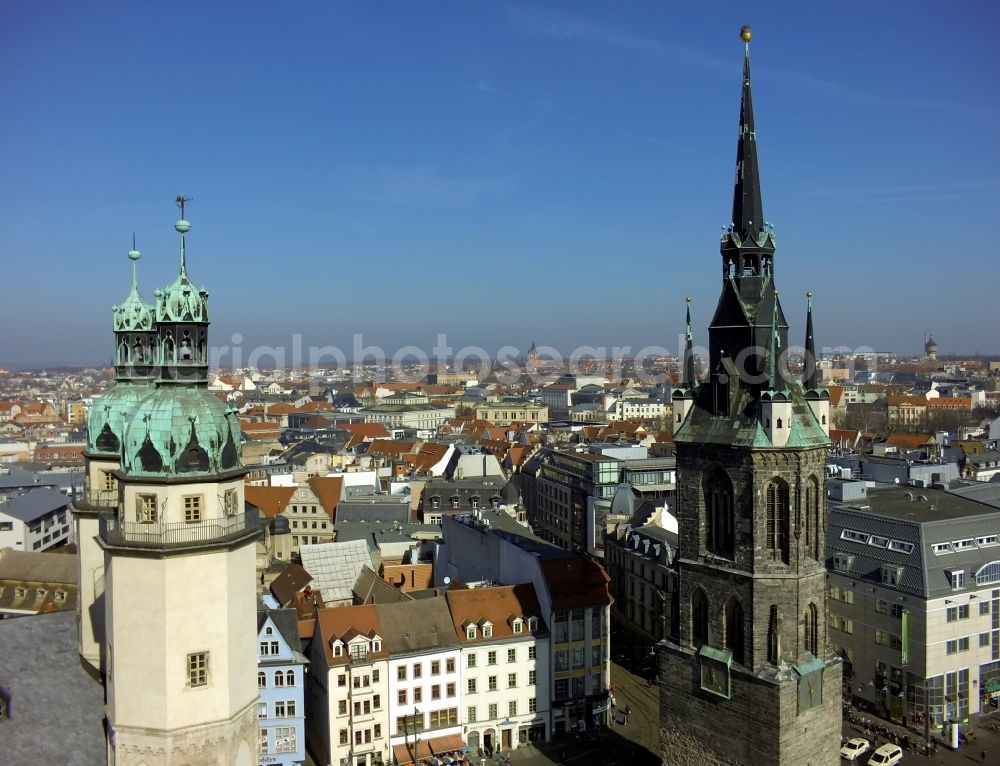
(411, 752)
(446, 744)
(426, 748)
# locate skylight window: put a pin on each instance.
(850, 534)
(900, 546)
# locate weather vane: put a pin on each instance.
(182, 201)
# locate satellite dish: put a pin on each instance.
(447, 580)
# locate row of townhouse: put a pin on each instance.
(403, 682)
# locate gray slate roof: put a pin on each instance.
(56, 708)
(335, 567)
(923, 518)
(372, 589)
(34, 505)
(374, 511)
(416, 626)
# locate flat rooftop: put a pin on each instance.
(922, 505)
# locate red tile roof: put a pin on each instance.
(270, 500)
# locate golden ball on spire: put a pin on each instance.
(746, 33)
(809, 293)
(688, 299)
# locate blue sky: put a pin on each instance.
(498, 172)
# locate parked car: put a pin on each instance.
(887, 755)
(854, 748)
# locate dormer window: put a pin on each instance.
(957, 579)
(518, 625)
(532, 624)
(435, 502)
(891, 575)
(337, 650)
(841, 562)
(487, 630)
(474, 501)
(376, 646)
(470, 632)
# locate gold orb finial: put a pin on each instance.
(688, 299)
(809, 293)
(746, 33)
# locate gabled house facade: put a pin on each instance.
(348, 690)
(281, 680)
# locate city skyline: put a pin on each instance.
(500, 174)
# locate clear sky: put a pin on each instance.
(500, 172)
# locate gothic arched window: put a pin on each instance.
(720, 521)
(776, 532)
(811, 630)
(699, 618)
(811, 519)
(773, 628)
(734, 628)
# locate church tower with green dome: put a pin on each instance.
(179, 561)
(135, 332)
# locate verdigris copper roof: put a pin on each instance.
(742, 427)
(181, 430)
(182, 301)
(134, 313)
(108, 416)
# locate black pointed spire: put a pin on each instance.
(810, 360)
(688, 351)
(748, 210)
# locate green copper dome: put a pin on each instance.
(183, 301)
(108, 415)
(181, 431)
(134, 313)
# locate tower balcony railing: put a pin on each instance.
(162, 536)
(97, 500)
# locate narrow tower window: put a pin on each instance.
(699, 618)
(718, 491)
(734, 628)
(773, 628)
(811, 630)
(776, 532)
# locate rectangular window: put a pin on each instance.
(197, 665)
(491, 658)
(401, 697)
(984, 607)
(401, 673)
(472, 660)
(377, 702)
(951, 647)
(377, 731)
(531, 652)
(511, 655)
(951, 614)
(471, 686)
(145, 510)
(418, 670)
(262, 741)
(512, 707)
(963, 644)
(984, 639)
(531, 677)
(436, 692)
(532, 705)
(435, 667)
(343, 736)
(375, 675)
(262, 710)
(192, 508)
(450, 690)
(963, 612)
(418, 694)
(493, 684)
(511, 680)
(229, 501)
(284, 739)
(449, 665)
(470, 714)
(342, 707)
(493, 711)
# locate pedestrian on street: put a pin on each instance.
(628, 712)
(982, 757)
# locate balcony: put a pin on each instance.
(97, 500)
(125, 534)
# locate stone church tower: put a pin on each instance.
(178, 638)
(746, 677)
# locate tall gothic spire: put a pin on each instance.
(810, 359)
(688, 350)
(748, 210)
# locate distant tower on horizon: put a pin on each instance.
(930, 349)
(747, 676)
